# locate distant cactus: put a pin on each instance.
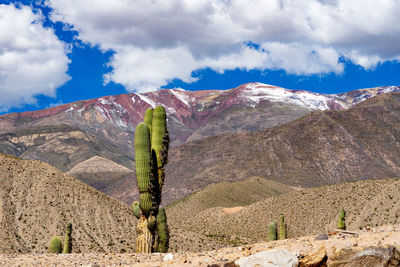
(55, 245)
(151, 155)
(67, 248)
(272, 231)
(136, 209)
(342, 220)
(282, 228)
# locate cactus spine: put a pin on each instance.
(272, 231)
(151, 155)
(282, 228)
(67, 248)
(55, 245)
(342, 220)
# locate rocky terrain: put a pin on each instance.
(36, 200)
(310, 211)
(68, 135)
(374, 247)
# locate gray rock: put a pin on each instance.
(322, 237)
(269, 258)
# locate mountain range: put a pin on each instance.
(93, 139)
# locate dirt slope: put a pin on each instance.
(309, 211)
(37, 200)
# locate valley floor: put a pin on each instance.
(379, 236)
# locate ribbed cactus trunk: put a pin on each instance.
(151, 155)
(145, 238)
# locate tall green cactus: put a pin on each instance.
(282, 228)
(272, 231)
(55, 245)
(151, 155)
(67, 248)
(342, 220)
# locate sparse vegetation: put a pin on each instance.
(342, 220)
(272, 231)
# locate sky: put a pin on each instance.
(54, 52)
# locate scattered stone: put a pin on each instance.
(366, 257)
(168, 257)
(314, 259)
(322, 237)
(270, 258)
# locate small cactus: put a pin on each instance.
(282, 228)
(342, 220)
(55, 245)
(272, 232)
(136, 209)
(67, 248)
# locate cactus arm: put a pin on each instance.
(162, 231)
(148, 117)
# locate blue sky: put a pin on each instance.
(60, 51)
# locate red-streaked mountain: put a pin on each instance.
(102, 129)
(321, 148)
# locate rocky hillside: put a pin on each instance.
(71, 134)
(311, 211)
(37, 200)
(324, 147)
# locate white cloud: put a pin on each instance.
(157, 41)
(32, 60)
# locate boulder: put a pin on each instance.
(270, 258)
(366, 257)
(315, 258)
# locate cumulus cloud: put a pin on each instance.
(32, 60)
(157, 41)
